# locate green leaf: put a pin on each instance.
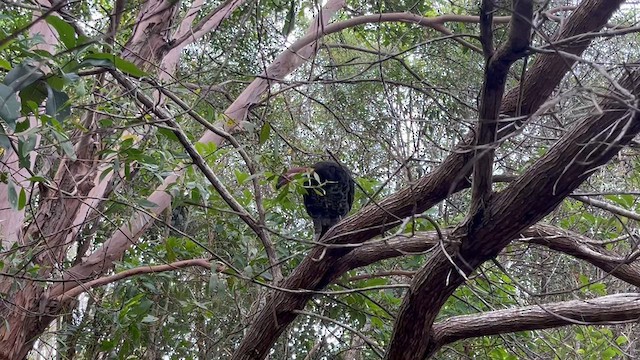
(624, 200)
(146, 203)
(107, 345)
(170, 247)
(25, 146)
(583, 279)
(170, 135)
(12, 195)
(121, 64)
(105, 173)
(9, 106)
(598, 288)
(22, 126)
(621, 340)
(56, 82)
(206, 149)
(241, 176)
(609, 353)
(37, 179)
(35, 93)
(22, 76)
(22, 199)
(66, 32)
(5, 143)
(264, 132)
(93, 62)
(65, 145)
(70, 77)
(56, 105)
(5, 64)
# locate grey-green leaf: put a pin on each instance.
(9, 106)
(22, 76)
(56, 105)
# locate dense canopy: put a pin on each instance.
(492, 144)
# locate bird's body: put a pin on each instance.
(329, 196)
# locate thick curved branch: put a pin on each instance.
(582, 247)
(603, 310)
(552, 237)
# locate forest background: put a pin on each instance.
(493, 144)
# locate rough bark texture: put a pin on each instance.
(36, 308)
(544, 75)
(590, 144)
(495, 78)
(29, 311)
(603, 310)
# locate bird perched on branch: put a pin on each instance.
(329, 193)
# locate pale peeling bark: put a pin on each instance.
(99, 262)
(187, 32)
(63, 208)
(284, 64)
(12, 221)
(41, 308)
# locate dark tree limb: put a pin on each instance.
(495, 77)
(588, 145)
(486, 28)
(582, 247)
(552, 237)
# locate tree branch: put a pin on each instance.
(495, 78)
(599, 311)
(203, 263)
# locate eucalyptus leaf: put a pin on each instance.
(12, 195)
(9, 106)
(5, 143)
(56, 105)
(121, 64)
(66, 32)
(35, 93)
(23, 75)
(264, 132)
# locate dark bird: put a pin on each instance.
(329, 193)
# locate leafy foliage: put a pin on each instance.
(388, 100)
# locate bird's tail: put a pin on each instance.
(322, 225)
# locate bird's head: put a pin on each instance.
(286, 178)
